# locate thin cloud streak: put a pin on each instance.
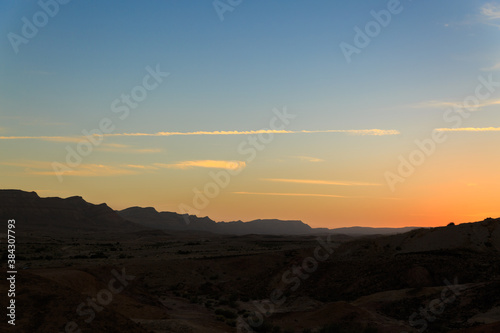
(119, 148)
(45, 138)
(215, 164)
(495, 67)
(309, 159)
(456, 105)
(469, 129)
(375, 132)
(263, 131)
(320, 182)
(293, 194)
(43, 168)
(141, 167)
(90, 170)
(491, 14)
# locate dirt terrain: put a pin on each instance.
(183, 282)
(89, 270)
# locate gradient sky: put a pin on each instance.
(336, 163)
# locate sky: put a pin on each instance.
(359, 113)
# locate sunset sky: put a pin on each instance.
(369, 113)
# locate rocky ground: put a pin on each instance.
(184, 282)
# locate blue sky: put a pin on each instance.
(228, 76)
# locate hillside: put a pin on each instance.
(55, 214)
(194, 280)
(60, 215)
(151, 218)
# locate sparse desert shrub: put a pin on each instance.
(223, 300)
(233, 298)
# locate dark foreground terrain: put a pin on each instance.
(92, 271)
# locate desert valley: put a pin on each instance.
(87, 268)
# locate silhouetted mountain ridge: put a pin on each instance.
(76, 214)
(52, 214)
(150, 217)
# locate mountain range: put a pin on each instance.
(74, 213)
(206, 276)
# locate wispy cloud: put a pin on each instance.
(28, 164)
(495, 67)
(264, 131)
(83, 170)
(119, 148)
(44, 138)
(293, 194)
(375, 132)
(455, 105)
(491, 13)
(141, 167)
(488, 13)
(90, 170)
(308, 159)
(46, 168)
(320, 182)
(215, 164)
(469, 129)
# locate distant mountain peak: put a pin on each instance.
(55, 214)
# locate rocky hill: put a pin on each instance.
(480, 236)
(55, 214)
(172, 221)
(151, 218)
